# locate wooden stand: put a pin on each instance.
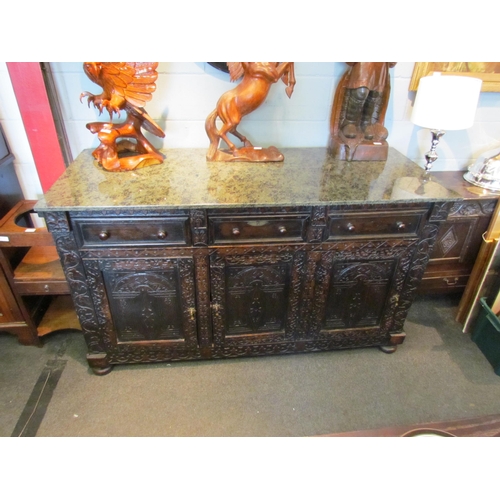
(30, 275)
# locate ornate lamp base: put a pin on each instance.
(431, 156)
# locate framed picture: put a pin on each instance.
(488, 72)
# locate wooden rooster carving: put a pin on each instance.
(127, 86)
(246, 97)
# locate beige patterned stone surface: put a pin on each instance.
(308, 176)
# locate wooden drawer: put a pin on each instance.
(42, 288)
(247, 229)
(161, 231)
(443, 284)
(373, 224)
(40, 273)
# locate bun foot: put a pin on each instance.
(99, 363)
(388, 349)
(102, 371)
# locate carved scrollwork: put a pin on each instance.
(475, 208)
(79, 286)
(57, 222)
(199, 232)
(440, 211)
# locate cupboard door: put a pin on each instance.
(147, 302)
(357, 292)
(256, 299)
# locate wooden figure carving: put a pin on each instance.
(246, 97)
(357, 129)
(127, 86)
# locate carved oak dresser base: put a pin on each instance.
(193, 278)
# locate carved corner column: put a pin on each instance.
(438, 214)
(58, 225)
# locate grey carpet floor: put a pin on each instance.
(437, 374)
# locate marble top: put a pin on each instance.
(307, 176)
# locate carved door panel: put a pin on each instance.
(145, 301)
(357, 292)
(255, 297)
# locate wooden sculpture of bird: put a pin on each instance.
(127, 86)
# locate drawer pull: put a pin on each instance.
(236, 231)
(46, 288)
(351, 227)
(401, 226)
(162, 234)
(282, 229)
(103, 235)
(451, 281)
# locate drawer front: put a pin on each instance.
(231, 230)
(376, 224)
(446, 284)
(42, 288)
(162, 231)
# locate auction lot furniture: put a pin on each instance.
(30, 273)
(460, 236)
(194, 260)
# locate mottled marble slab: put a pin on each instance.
(308, 176)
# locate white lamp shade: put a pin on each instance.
(446, 102)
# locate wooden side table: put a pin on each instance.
(30, 273)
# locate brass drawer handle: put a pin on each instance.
(282, 229)
(236, 231)
(401, 226)
(46, 288)
(351, 227)
(104, 235)
(451, 281)
(162, 234)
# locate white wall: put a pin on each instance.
(187, 92)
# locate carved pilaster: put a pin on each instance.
(79, 287)
(203, 298)
(199, 231)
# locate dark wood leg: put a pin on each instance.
(27, 336)
(99, 363)
(388, 349)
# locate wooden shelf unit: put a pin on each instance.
(31, 274)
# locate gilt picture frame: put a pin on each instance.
(488, 72)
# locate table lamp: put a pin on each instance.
(445, 103)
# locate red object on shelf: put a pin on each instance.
(31, 94)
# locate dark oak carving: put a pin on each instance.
(457, 245)
(141, 302)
